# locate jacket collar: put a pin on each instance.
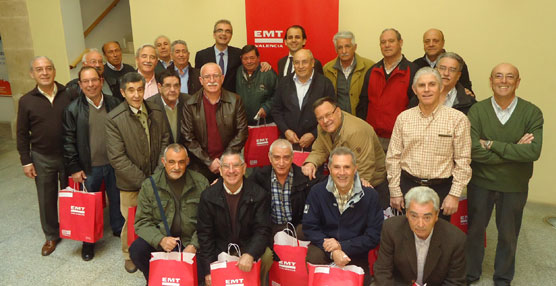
(403, 65)
(357, 189)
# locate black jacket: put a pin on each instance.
(282, 66)
(234, 61)
(285, 108)
(299, 190)
(214, 226)
(193, 84)
(77, 152)
(157, 98)
(463, 79)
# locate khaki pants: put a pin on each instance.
(127, 200)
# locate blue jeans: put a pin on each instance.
(94, 181)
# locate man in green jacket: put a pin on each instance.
(179, 193)
(506, 138)
(352, 69)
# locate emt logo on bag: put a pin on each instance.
(170, 281)
(235, 282)
(287, 265)
(75, 210)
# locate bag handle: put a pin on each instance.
(291, 232)
(259, 119)
(162, 215)
(236, 247)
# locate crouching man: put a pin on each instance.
(179, 190)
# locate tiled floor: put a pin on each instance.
(21, 239)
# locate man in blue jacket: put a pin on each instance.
(342, 219)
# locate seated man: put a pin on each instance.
(286, 183)
(342, 199)
(420, 248)
(180, 190)
(233, 210)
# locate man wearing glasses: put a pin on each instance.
(216, 114)
(339, 128)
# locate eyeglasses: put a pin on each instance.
(327, 116)
(93, 80)
(444, 68)
(509, 76)
(169, 86)
(220, 31)
(211, 76)
(232, 166)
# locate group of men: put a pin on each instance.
(157, 136)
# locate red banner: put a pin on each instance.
(267, 21)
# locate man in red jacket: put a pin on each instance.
(387, 88)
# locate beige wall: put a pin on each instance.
(483, 32)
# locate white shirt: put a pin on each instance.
(230, 192)
(422, 249)
(347, 71)
(48, 96)
(451, 97)
(431, 63)
(290, 57)
(93, 104)
(503, 114)
(115, 68)
(302, 88)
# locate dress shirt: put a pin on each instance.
(150, 86)
(93, 104)
(48, 96)
(389, 70)
(451, 97)
(431, 63)
(502, 114)
(217, 57)
(421, 249)
(435, 146)
(347, 71)
(281, 205)
(184, 78)
(302, 88)
(290, 57)
(115, 68)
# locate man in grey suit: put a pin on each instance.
(420, 248)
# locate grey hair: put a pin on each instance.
(40, 57)
(84, 58)
(343, 151)
(280, 143)
(398, 35)
(427, 70)
(203, 67)
(177, 42)
(131, 77)
(422, 195)
(231, 153)
(176, 147)
(454, 56)
(222, 21)
(343, 35)
(161, 36)
(144, 46)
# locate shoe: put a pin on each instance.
(88, 251)
(129, 266)
(117, 233)
(49, 247)
(471, 281)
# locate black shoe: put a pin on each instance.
(88, 251)
(117, 233)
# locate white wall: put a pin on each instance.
(73, 28)
(114, 27)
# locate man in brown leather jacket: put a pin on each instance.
(216, 114)
(136, 133)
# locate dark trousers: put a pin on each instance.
(316, 255)
(442, 190)
(94, 181)
(51, 177)
(509, 212)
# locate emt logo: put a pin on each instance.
(262, 142)
(75, 210)
(170, 281)
(287, 265)
(269, 38)
(235, 282)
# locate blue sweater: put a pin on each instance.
(357, 229)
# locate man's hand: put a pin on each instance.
(331, 244)
(265, 66)
(340, 258)
(79, 177)
(306, 140)
(526, 139)
(309, 170)
(261, 113)
(469, 92)
(397, 203)
(215, 166)
(245, 262)
(291, 136)
(168, 243)
(366, 183)
(208, 281)
(450, 205)
(29, 171)
(485, 144)
(190, 249)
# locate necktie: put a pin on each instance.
(221, 62)
(290, 64)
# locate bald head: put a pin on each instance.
(303, 63)
(433, 43)
(94, 59)
(505, 66)
(504, 81)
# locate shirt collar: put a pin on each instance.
(135, 110)
(93, 104)
(168, 106)
(499, 109)
(185, 70)
(115, 68)
(431, 63)
(424, 241)
(451, 97)
(274, 178)
(307, 82)
(229, 192)
(54, 91)
(217, 51)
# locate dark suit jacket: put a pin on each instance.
(463, 79)
(285, 108)
(282, 66)
(193, 84)
(397, 258)
(159, 67)
(234, 61)
(157, 98)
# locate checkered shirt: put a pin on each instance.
(281, 204)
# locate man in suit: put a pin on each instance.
(294, 97)
(171, 100)
(189, 76)
(420, 248)
(295, 40)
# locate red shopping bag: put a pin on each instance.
(291, 269)
(459, 218)
(258, 144)
(77, 187)
(81, 216)
(327, 275)
(299, 157)
(172, 269)
(225, 271)
(131, 235)
(372, 257)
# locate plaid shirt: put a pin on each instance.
(281, 205)
(342, 199)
